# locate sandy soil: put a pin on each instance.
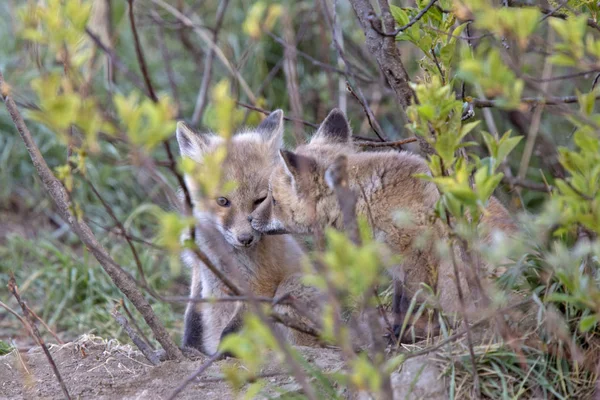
(102, 369)
(96, 368)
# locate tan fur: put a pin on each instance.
(269, 266)
(300, 199)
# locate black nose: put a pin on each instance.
(249, 218)
(245, 239)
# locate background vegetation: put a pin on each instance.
(530, 68)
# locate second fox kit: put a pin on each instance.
(265, 265)
(301, 198)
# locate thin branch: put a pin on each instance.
(291, 77)
(537, 187)
(140, 54)
(166, 56)
(135, 324)
(313, 60)
(358, 94)
(562, 77)
(200, 31)
(50, 331)
(208, 64)
(12, 288)
(461, 299)
(536, 119)
(196, 374)
(398, 143)
(267, 112)
(460, 334)
(337, 176)
(111, 213)
(410, 23)
(590, 22)
(116, 61)
(368, 113)
(60, 197)
(549, 101)
(135, 338)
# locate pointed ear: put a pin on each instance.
(192, 144)
(296, 165)
(334, 129)
(271, 129)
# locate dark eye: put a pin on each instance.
(274, 201)
(258, 201)
(223, 202)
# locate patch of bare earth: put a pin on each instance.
(92, 367)
(96, 368)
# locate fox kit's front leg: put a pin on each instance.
(193, 329)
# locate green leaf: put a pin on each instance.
(588, 322)
(399, 15)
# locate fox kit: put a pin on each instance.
(264, 265)
(300, 196)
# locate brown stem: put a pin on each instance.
(398, 143)
(140, 54)
(59, 195)
(461, 299)
(266, 112)
(12, 287)
(410, 23)
(208, 64)
(358, 94)
(196, 374)
(338, 177)
(135, 338)
(135, 324)
(50, 331)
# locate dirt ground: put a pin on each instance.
(97, 368)
(93, 367)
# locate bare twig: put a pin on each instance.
(398, 143)
(548, 101)
(16, 315)
(140, 54)
(368, 113)
(12, 287)
(461, 298)
(462, 333)
(358, 94)
(536, 120)
(410, 23)
(116, 61)
(313, 60)
(267, 112)
(338, 178)
(59, 195)
(201, 32)
(135, 324)
(208, 64)
(291, 77)
(166, 56)
(135, 338)
(50, 331)
(196, 374)
(535, 186)
(563, 77)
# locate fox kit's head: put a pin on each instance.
(251, 156)
(299, 192)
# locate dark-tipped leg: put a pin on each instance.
(400, 306)
(193, 329)
(234, 326)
